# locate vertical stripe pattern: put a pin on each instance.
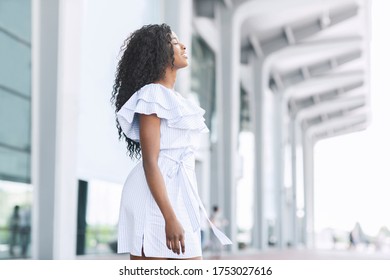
(141, 224)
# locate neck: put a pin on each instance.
(169, 79)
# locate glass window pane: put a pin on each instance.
(15, 16)
(15, 128)
(14, 165)
(101, 233)
(203, 78)
(15, 65)
(14, 121)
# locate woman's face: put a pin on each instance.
(180, 54)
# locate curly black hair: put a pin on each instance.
(147, 53)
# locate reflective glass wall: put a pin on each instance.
(15, 127)
(97, 218)
(15, 220)
(203, 80)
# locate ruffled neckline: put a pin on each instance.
(168, 104)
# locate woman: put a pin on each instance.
(160, 207)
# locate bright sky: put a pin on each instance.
(352, 172)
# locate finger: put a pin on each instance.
(183, 247)
(177, 246)
(169, 244)
(182, 244)
(174, 247)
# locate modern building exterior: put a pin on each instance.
(275, 77)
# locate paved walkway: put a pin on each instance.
(274, 254)
(288, 254)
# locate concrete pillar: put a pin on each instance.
(55, 61)
(300, 202)
(299, 196)
(217, 179)
(229, 128)
(178, 15)
(216, 185)
(279, 147)
(44, 88)
(308, 162)
(293, 213)
(259, 226)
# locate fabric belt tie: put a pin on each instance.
(182, 164)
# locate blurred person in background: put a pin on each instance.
(357, 236)
(25, 229)
(14, 227)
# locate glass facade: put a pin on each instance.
(97, 219)
(15, 128)
(203, 80)
(15, 90)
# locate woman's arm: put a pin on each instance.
(150, 146)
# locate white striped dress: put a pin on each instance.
(141, 224)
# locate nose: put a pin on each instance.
(183, 47)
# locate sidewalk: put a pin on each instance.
(288, 254)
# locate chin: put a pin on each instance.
(181, 64)
(184, 65)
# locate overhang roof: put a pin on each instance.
(315, 51)
(318, 51)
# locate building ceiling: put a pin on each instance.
(317, 50)
(318, 54)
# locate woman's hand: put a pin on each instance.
(174, 233)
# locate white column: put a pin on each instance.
(228, 131)
(300, 180)
(216, 182)
(279, 147)
(56, 53)
(178, 15)
(293, 214)
(45, 15)
(259, 226)
(69, 57)
(217, 179)
(308, 162)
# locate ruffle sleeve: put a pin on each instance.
(179, 112)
